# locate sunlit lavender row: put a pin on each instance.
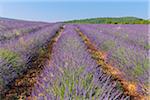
(73, 74)
(16, 54)
(126, 47)
(9, 24)
(15, 29)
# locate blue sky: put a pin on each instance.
(53, 11)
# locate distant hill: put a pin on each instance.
(111, 20)
(102, 20)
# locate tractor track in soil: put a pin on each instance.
(21, 87)
(130, 88)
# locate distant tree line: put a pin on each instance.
(109, 20)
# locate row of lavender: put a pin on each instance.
(11, 29)
(126, 47)
(9, 24)
(72, 74)
(16, 54)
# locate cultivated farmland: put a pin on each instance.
(66, 61)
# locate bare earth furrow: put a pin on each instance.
(22, 86)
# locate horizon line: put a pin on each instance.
(48, 21)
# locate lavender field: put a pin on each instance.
(62, 61)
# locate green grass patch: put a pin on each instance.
(75, 84)
(10, 56)
(138, 70)
(120, 55)
(147, 46)
(107, 45)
